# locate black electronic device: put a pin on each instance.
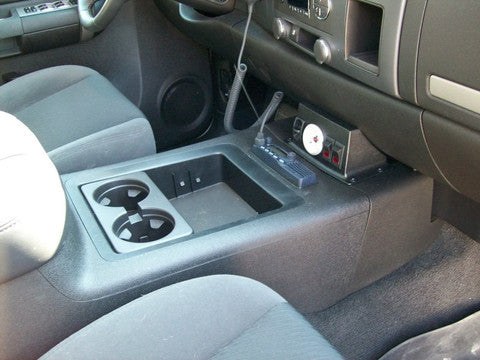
(285, 163)
(335, 147)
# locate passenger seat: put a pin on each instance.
(215, 317)
(226, 317)
(79, 117)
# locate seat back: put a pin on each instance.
(32, 205)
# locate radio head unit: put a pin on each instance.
(306, 9)
(300, 4)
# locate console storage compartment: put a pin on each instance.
(211, 192)
(214, 206)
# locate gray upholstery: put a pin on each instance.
(459, 341)
(215, 317)
(67, 104)
(32, 212)
(130, 140)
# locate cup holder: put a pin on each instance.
(143, 226)
(122, 193)
(133, 213)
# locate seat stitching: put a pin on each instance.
(8, 225)
(8, 157)
(247, 328)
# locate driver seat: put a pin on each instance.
(79, 117)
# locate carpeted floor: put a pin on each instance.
(439, 287)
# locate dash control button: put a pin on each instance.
(327, 149)
(322, 51)
(337, 155)
(321, 12)
(322, 8)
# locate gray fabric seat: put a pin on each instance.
(79, 117)
(460, 340)
(214, 317)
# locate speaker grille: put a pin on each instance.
(184, 103)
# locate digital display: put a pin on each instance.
(301, 4)
(277, 151)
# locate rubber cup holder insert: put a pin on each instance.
(143, 226)
(122, 193)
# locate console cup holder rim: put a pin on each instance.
(155, 201)
(143, 226)
(126, 193)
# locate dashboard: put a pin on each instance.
(404, 72)
(360, 39)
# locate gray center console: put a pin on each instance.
(216, 207)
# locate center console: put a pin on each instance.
(220, 207)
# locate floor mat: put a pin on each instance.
(439, 287)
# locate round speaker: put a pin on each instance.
(185, 103)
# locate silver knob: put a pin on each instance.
(281, 28)
(322, 51)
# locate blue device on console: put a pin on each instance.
(285, 163)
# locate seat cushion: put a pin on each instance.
(66, 104)
(460, 340)
(215, 317)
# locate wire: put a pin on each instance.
(240, 55)
(244, 40)
(271, 108)
(239, 76)
(249, 98)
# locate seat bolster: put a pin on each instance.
(130, 140)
